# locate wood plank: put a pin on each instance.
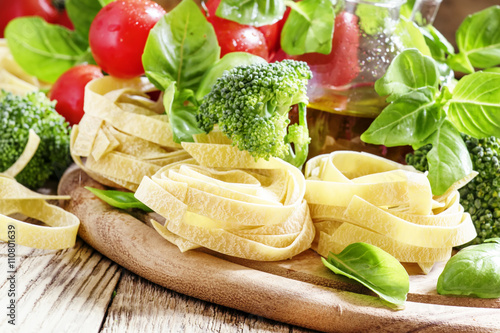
(139, 248)
(59, 291)
(142, 306)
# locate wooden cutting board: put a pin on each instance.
(300, 291)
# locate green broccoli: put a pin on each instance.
(480, 197)
(34, 111)
(251, 104)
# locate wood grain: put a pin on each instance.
(137, 247)
(142, 306)
(59, 291)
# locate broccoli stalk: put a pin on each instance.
(251, 105)
(298, 134)
(481, 196)
(34, 111)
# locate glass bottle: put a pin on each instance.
(424, 12)
(342, 97)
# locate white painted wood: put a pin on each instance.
(142, 306)
(58, 291)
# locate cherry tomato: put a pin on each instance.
(341, 66)
(118, 35)
(235, 37)
(272, 33)
(64, 20)
(11, 9)
(69, 91)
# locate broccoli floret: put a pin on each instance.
(251, 105)
(34, 111)
(480, 197)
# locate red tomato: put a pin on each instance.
(235, 37)
(69, 91)
(341, 66)
(272, 33)
(118, 35)
(64, 20)
(11, 9)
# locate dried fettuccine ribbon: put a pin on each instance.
(224, 200)
(62, 227)
(123, 135)
(359, 197)
(12, 77)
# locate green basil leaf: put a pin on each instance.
(473, 271)
(408, 120)
(460, 62)
(181, 47)
(119, 199)
(409, 71)
(474, 108)
(478, 41)
(252, 12)
(309, 28)
(407, 9)
(449, 159)
(182, 113)
(374, 268)
(411, 36)
(492, 70)
(105, 2)
(82, 13)
(437, 43)
(229, 61)
(44, 50)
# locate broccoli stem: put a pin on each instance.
(299, 156)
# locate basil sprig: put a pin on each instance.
(375, 269)
(424, 111)
(478, 41)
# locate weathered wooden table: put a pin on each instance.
(80, 290)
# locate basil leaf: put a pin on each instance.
(229, 61)
(473, 271)
(492, 70)
(374, 268)
(478, 41)
(43, 50)
(119, 199)
(409, 71)
(182, 113)
(408, 120)
(474, 108)
(82, 13)
(407, 9)
(105, 2)
(449, 159)
(181, 47)
(411, 36)
(309, 28)
(437, 43)
(252, 12)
